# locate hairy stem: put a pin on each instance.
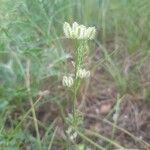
(79, 56)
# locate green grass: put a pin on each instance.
(32, 30)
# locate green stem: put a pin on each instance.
(74, 102)
(79, 55)
(90, 141)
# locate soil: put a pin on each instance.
(132, 120)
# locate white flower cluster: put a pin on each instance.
(72, 135)
(67, 81)
(83, 73)
(77, 31)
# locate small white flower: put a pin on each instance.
(67, 81)
(67, 30)
(115, 116)
(82, 73)
(77, 31)
(43, 93)
(75, 28)
(69, 131)
(72, 134)
(91, 32)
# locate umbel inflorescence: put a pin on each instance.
(80, 32)
(83, 73)
(67, 81)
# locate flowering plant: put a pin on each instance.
(82, 34)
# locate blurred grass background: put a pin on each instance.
(32, 29)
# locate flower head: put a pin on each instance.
(77, 31)
(82, 73)
(67, 81)
(72, 134)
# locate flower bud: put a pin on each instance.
(82, 73)
(67, 81)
